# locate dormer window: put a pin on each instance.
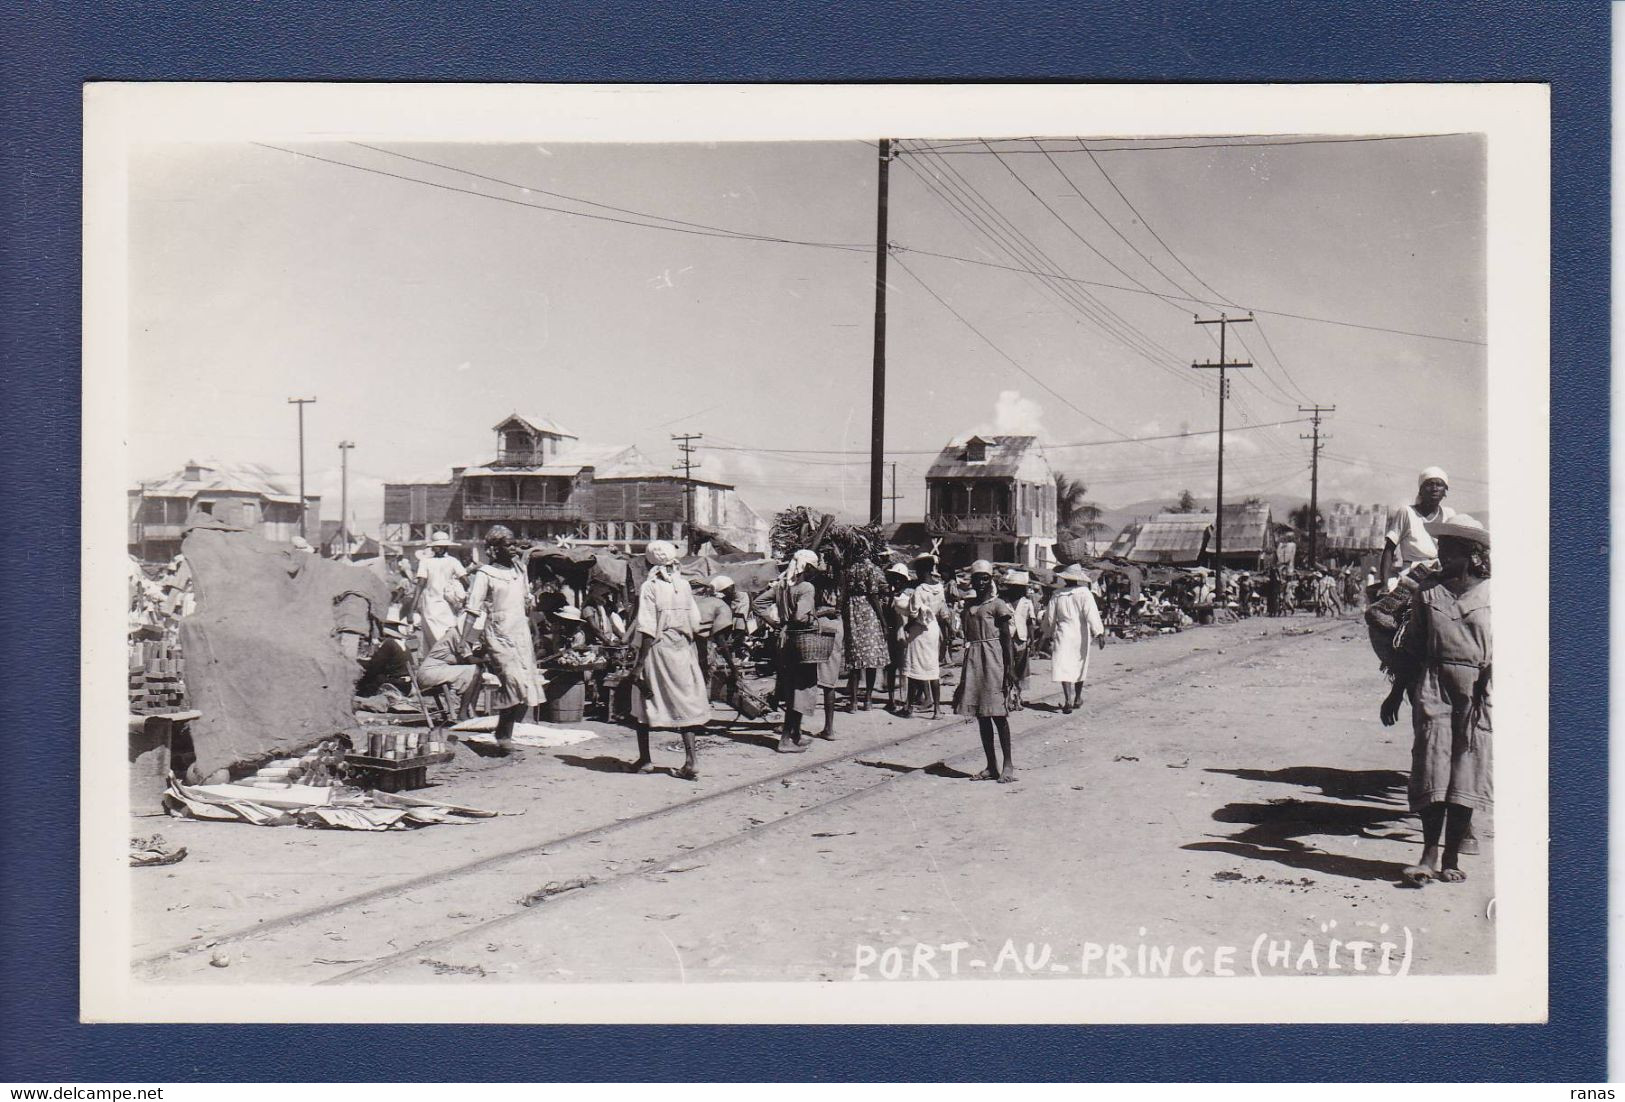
(976, 450)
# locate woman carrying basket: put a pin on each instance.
(793, 601)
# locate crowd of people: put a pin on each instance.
(835, 631)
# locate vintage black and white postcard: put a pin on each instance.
(815, 553)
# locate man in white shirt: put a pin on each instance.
(1407, 539)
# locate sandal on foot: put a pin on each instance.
(1415, 875)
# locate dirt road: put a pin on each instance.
(1225, 799)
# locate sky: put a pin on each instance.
(422, 300)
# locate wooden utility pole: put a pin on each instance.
(877, 406)
(301, 403)
(344, 495)
(1314, 476)
(1223, 322)
(893, 496)
(685, 444)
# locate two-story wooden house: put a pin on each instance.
(992, 497)
(245, 495)
(545, 484)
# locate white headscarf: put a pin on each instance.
(799, 562)
(661, 556)
(1433, 472)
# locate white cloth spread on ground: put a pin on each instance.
(442, 597)
(668, 614)
(1074, 623)
(503, 594)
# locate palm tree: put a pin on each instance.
(1299, 518)
(1075, 514)
(1069, 498)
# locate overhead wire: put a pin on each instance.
(725, 234)
(1010, 240)
(1141, 145)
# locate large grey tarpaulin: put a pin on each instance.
(264, 664)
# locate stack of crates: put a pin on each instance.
(157, 678)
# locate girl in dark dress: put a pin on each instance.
(989, 670)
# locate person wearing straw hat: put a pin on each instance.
(439, 593)
(1072, 623)
(1443, 664)
(988, 673)
(1407, 540)
(671, 688)
(1023, 625)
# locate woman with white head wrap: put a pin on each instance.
(671, 689)
(794, 602)
(1407, 540)
(499, 592)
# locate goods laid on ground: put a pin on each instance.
(331, 806)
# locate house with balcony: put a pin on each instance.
(245, 495)
(992, 497)
(545, 484)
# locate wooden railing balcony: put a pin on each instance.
(522, 510)
(520, 457)
(971, 524)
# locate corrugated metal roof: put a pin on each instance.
(1246, 528)
(537, 424)
(1007, 457)
(1185, 532)
(227, 478)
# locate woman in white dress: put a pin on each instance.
(922, 636)
(501, 592)
(440, 592)
(1072, 622)
(671, 688)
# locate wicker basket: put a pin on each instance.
(811, 646)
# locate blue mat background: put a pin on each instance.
(48, 48)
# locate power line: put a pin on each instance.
(1198, 301)
(737, 235)
(733, 235)
(1092, 309)
(1007, 357)
(938, 451)
(1140, 147)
